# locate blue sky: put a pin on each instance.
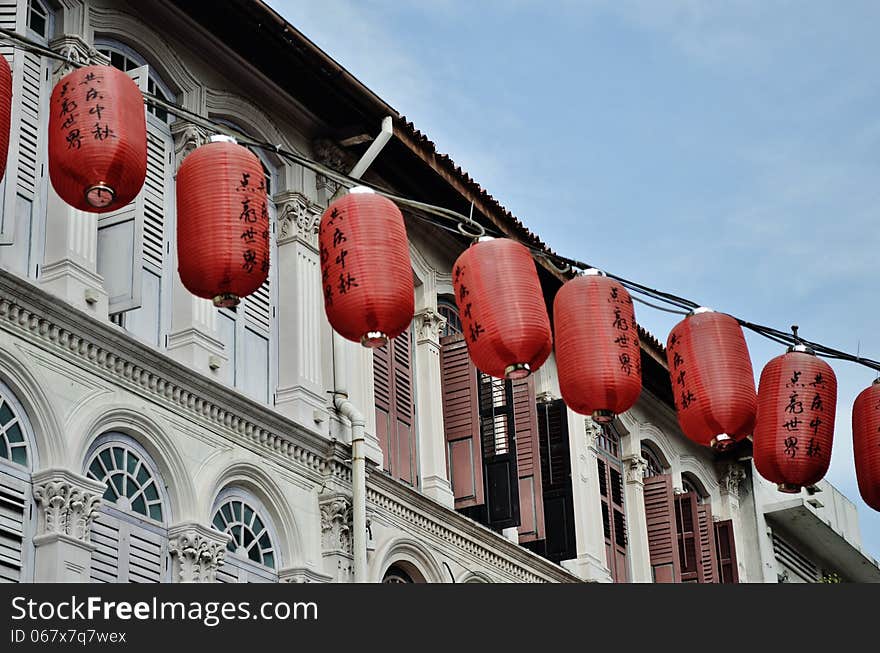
(725, 151)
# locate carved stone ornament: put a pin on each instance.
(187, 137)
(592, 431)
(197, 552)
(68, 503)
(297, 218)
(429, 325)
(77, 52)
(635, 468)
(732, 479)
(336, 524)
(331, 155)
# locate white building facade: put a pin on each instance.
(146, 436)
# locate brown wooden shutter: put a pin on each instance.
(690, 553)
(560, 543)
(461, 422)
(660, 518)
(613, 518)
(528, 458)
(708, 552)
(726, 552)
(395, 407)
(498, 437)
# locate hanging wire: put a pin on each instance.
(452, 221)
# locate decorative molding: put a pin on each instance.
(336, 524)
(591, 432)
(302, 575)
(68, 503)
(77, 53)
(196, 551)
(187, 137)
(298, 218)
(429, 324)
(635, 468)
(732, 480)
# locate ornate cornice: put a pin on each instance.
(34, 315)
(336, 524)
(68, 503)
(298, 218)
(197, 552)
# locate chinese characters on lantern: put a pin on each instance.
(345, 281)
(684, 394)
(251, 203)
(624, 323)
(804, 415)
(93, 110)
(472, 325)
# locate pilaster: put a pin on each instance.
(336, 536)
(634, 467)
(67, 503)
(591, 563)
(197, 551)
(432, 445)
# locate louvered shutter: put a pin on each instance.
(126, 552)
(497, 436)
(121, 234)
(690, 550)
(558, 498)
(662, 538)
(726, 552)
(14, 516)
(528, 461)
(395, 407)
(461, 422)
(708, 551)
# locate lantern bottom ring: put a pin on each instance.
(100, 195)
(226, 300)
(603, 416)
(722, 442)
(373, 339)
(517, 371)
(789, 488)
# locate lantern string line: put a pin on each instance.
(450, 220)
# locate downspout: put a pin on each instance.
(347, 409)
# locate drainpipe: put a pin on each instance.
(347, 409)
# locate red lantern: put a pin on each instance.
(368, 280)
(797, 399)
(97, 139)
(597, 344)
(712, 379)
(866, 443)
(5, 111)
(222, 222)
(503, 315)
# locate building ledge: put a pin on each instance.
(801, 520)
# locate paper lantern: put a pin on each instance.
(222, 222)
(366, 270)
(712, 379)
(866, 443)
(503, 315)
(797, 399)
(598, 359)
(5, 111)
(97, 139)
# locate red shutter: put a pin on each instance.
(528, 461)
(708, 553)
(660, 518)
(726, 551)
(687, 525)
(461, 422)
(395, 407)
(613, 518)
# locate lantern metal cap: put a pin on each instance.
(226, 300)
(603, 416)
(222, 138)
(517, 371)
(593, 272)
(799, 346)
(374, 339)
(361, 190)
(701, 309)
(876, 381)
(722, 442)
(485, 239)
(789, 488)
(100, 195)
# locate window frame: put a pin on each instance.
(233, 559)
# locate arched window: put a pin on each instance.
(654, 467)
(690, 484)
(129, 534)
(39, 20)
(395, 575)
(16, 514)
(610, 471)
(252, 556)
(447, 308)
(139, 294)
(248, 331)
